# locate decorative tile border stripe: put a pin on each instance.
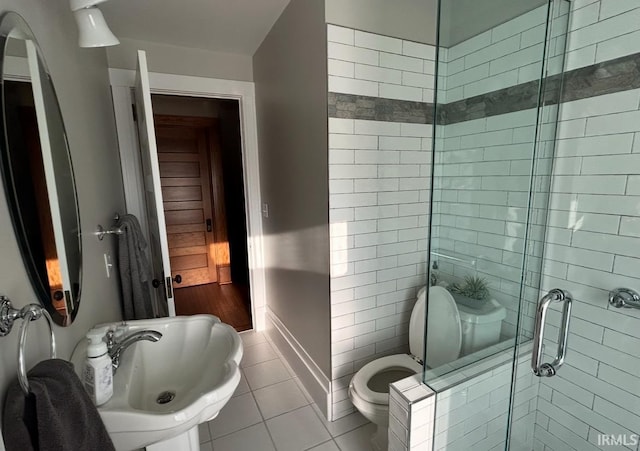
(349, 106)
(620, 74)
(502, 101)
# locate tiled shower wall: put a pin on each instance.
(379, 169)
(597, 207)
(593, 234)
(484, 157)
(503, 56)
(592, 244)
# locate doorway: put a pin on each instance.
(200, 156)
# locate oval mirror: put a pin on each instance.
(37, 172)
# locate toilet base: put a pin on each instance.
(380, 439)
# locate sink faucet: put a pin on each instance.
(116, 349)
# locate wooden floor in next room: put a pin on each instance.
(228, 302)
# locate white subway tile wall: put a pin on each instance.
(372, 65)
(592, 240)
(464, 410)
(483, 166)
(379, 227)
(474, 414)
(481, 198)
(411, 415)
(504, 56)
(592, 243)
(593, 236)
(597, 391)
(379, 202)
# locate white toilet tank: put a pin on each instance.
(481, 326)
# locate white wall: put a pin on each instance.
(291, 100)
(379, 201)
(81, 81)
(171, 59)
(414, 20)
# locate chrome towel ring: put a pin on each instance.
(28, 313)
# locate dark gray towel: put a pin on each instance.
(135, 271)
(58, 414)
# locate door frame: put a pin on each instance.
(122, 82)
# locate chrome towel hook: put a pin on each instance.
(28, 313)
(624, 297)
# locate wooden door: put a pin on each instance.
(186, 191)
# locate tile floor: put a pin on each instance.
(271, 411)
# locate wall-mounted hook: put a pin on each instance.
(624, 297)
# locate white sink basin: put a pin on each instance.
(196, 359)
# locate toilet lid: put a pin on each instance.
(444, 330)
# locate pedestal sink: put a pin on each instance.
(163, 390)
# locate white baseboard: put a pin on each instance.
(314, 380)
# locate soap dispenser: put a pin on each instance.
(98, 372)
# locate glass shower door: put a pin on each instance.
(590, 249)
(499, 78)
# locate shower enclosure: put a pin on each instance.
(534, 220)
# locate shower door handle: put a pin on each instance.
(550, 369)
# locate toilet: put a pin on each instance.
(481, 326)
(369, 388)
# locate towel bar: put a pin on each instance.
(28, 313)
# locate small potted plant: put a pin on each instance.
(473, 292)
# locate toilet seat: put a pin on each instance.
(360, 382)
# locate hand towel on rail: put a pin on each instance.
(57, 415)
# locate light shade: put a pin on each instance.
(93, 31)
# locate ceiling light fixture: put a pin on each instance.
(93, 31)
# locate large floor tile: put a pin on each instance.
(203, 432)
(326, 446)
(266, 373)
(298, 430)
(357, 440)
(257, 353)
(250, 338)
(254, 438)
(342, 425)
(239, 413)
(279, 398)
(242, 387)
